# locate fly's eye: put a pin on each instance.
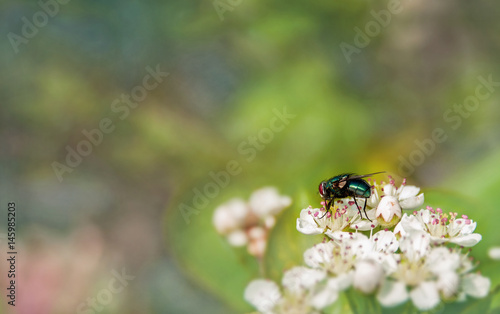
(321, 190)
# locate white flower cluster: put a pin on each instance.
(406, 261)
(248, 223)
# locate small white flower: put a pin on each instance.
(320, 256)
(237, 238)
(317, 220)
(268, 202)
(256, 233)
(257, 247)
(269, 222)
(441, 227)
(230, 215)
(299, 279)
(307, 224)
(406, 195)
(388, 211)
(494, 253)
(475, 285)
(263, 295)
(342, 216)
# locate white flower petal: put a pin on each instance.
(326, 295)
(256, 233)
(494, 253)
(392, 293)
(385, 241)
(448, 283)
(415, 245)
(367, 276)
(239, 209)
(476, 285)
(467, 228)
(257, 247)
(468, 240)
(374, 199)
(306, 223)
(319, 255)
(407, 191)
(425, 215)
(267, 201)
(389, 262)
(388, 207)
(412, 202)
(438, 240)
(262, 294)
(399, 229)
(342, 235)
(440, 260)
(364, 225)
(390, 190)
(425, 296)
(229, 215)
(344, 281)
(362, 247)
(411, 223)
(237, 238)
(299, 279)
(269, 222)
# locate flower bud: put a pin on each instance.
(388, 212)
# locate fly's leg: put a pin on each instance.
(364, 209)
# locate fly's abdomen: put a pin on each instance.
(359, 188)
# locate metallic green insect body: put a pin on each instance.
(346, 185)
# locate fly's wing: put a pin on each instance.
(340, 183)
(363, 176)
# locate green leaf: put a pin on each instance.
(361, 303)
(478, 306)
(206, 257)
(286, 245)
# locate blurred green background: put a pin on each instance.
(231, 65)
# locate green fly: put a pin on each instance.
(345, 185)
